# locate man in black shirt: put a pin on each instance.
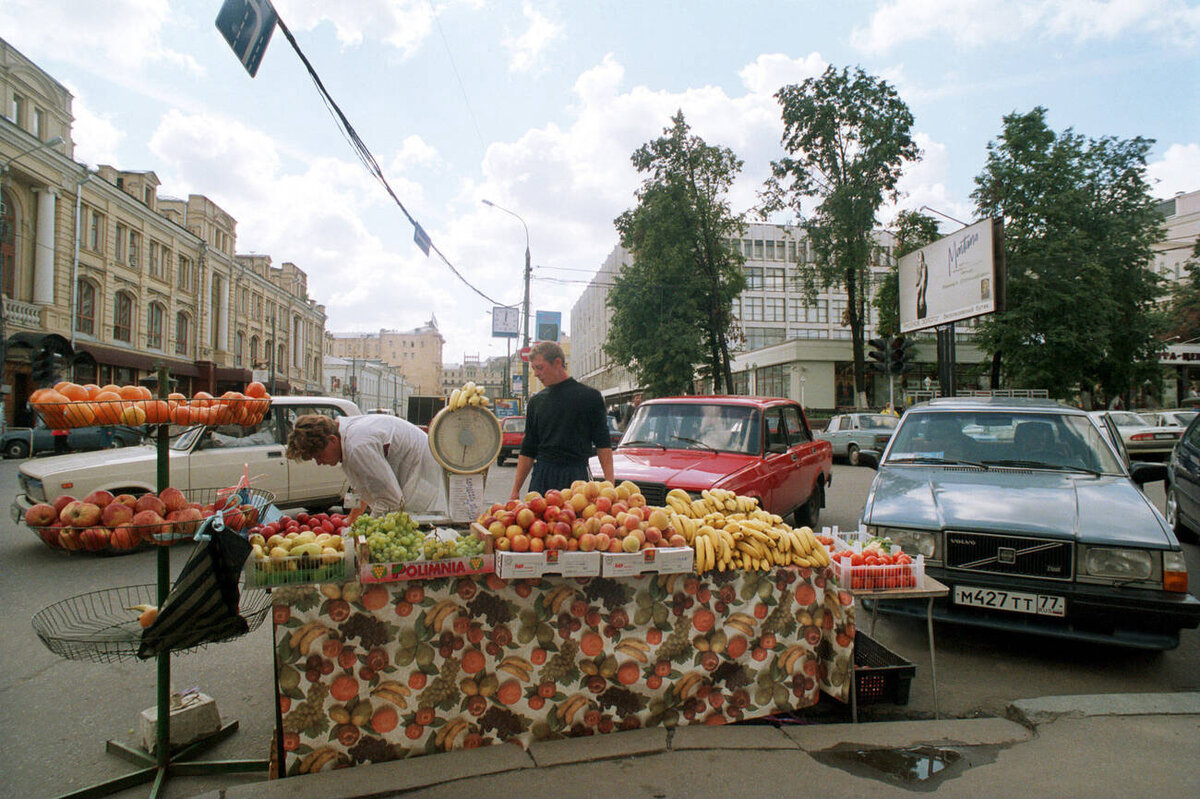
(563, 422)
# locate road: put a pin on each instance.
(60, 712)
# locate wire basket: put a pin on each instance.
(65, 414)
(250, 506)
(99, 627)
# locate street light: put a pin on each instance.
(525, 304)
(57, 140)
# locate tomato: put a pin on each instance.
(903, 559)
(856, 559)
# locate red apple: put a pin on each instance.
(49, 534)
(676, 540)
(538, 504)
(116, 513)
(563, 529)
(251, 514)
(552, 513)
(615, 545)
(99, 498)
(150, 502)
(148, 522)
(186, 521)
(94, 539)
(520, 543)
(80, 515)
(556, 542)
(525, 517)
(68, 538)
(197, 506)
(62, 502)
(41, 515)
(235, 520)
(554, 497)
(507, 518)
(602, 542)
(537, 544)
(172, 499)
(126, 499)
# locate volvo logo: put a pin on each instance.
(1006, 555)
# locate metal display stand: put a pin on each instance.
(105, 642)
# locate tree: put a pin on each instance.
(1079, 224)
(913, 230)
(1184, 304)
(673, 306)
(847, 135)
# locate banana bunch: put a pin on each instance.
(518, 667)
(317, 759)
(788, 659)
(304, 637)
(567, 710)
(394, 692)
(437, 615)
(688, 684)
(634, 648)
(469, 394)
(446, 736)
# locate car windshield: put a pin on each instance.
(1127, 419)
(187, 438)
(514, 425)
(878, 422)
(725, 428)
(1066, 442)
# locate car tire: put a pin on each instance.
(499, 460)
(809, 514)
(1182, 531)
(16, 449)
(852, 454)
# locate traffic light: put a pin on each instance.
(901, 355)
(879, 354)
(42, 367)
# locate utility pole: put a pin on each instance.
(525, 303)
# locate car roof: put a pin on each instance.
(722, 399)
(996, 404)
(348, 407)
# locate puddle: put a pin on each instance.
(917, 768)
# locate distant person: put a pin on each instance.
(61, 441)
(563, 422)
(888, 410)
(387, 460)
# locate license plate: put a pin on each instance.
(1015, 601)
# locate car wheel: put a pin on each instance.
(809, 514)
(1182, 531)
(16, 449)
(852, 454)
(499, 460)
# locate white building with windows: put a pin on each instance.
(371, 384)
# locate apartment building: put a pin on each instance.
(416, 353)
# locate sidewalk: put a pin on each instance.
(1097, 746)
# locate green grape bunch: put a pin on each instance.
(391, 538)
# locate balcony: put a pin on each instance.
(23, 314)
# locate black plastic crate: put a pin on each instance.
(880, 675)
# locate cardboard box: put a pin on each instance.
(662, 560)
(516, 565)
(369, 572)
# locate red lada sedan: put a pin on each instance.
(755, 446)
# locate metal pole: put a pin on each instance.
(273, 344)
(525, 303)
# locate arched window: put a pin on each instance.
(253, 351)
(183, 334)
(85, 307)
(281, 355)
(123, 317)
(239, 348)
(156, 316)
(8, 242)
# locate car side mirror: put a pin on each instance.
(1142, 472)
(869, 457)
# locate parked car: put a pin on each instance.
(851, 432)
(1045, 533)
(201, 458)
(614, 431)
(1183, 485)
(1174, 417)
(512, 433)
(1140, 438)
(756, 446)
(21, 442)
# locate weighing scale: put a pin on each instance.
(465, 442)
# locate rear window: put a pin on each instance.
(514, 425)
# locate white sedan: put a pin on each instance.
(1141, 439)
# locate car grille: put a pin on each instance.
(655, 493)
(1014, 555)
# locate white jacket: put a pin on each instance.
(390, 466)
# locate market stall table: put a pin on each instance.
(369, 673)
(930, 590)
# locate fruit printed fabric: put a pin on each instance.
(375, 673)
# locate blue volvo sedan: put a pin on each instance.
(1035, 520)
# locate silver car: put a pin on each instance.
(1142, 439)
(1176, 417)
(849, 433)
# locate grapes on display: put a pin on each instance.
(394, 538)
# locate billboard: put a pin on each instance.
(957, 277)
(549, 326)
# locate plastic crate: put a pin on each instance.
(299, 570)
(881, 578)
(880, 675)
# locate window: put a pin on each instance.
(123, 317)
(183, 334)
(797, 432)
(758, 249)
(135, 244)
(17, 111)
(773, 310)
(155, 317)
(281, 354)
(85, 307)
(759, 337)
(39, 123)
(754, 278)
(752, 309)
(774, 279)
(770, 251)
(121, 242)
(156, 259)
(96, 231)
(254, 350)
(296, 337)
(183, 277)
(771, 381)
(239, 348)
(244, 301)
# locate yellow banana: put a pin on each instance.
(317, 759)
(452, 732)
(632, 652)
(685, 684)
(518, 661)
(567, 711)
(309, 637)
(516, 671)
(390, 696)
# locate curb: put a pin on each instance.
(1031, 712)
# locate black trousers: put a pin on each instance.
(548, 474)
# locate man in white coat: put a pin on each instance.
(387, 460)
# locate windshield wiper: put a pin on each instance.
(935, 459)
(1058, 467)
(647, 443)
(695, 441)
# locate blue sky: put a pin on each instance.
(537, 106)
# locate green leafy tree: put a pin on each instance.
(1079, 227)
(847, 137)
(1184, 303)
(913, 230)
(673, 306)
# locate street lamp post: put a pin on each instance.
(525, 304)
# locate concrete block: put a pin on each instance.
(196, 717)
(626, 743)
(727, 736)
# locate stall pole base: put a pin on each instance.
(177, 765)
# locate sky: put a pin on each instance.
(538, 105)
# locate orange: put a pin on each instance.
(37, 394)
(144, 393)
(108, 407)
(74, 392)
(202, 398)
(374, 597)
(113, 388)
(130, 392)
(133, 416)
(181, 415)
(79, 414)
(509, 692)
(175, 398)
(256, 390)
(385, 719)
(92, 389)
(343, 687)
(472, 661)
(591, 644)
(157, 412)
(60, 385)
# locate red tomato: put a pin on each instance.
(903, 559)
(856, 559)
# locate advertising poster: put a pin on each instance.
(957, 277)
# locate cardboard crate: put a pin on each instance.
(565, 563)
(293, 570)
(661, 560)
(881, 578)
(369, 572)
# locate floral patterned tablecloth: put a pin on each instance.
(379, 672)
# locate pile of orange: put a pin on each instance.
(72, 405)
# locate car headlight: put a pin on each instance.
(1119, 564)
(33, 489)
(913, 542)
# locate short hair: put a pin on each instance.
(310, 434)
(548, 351)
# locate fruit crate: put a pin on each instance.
(299, 569)
(881, 578)
(371, 572)
(880, 675)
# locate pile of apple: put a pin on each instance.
(588, 516)
(101, 521)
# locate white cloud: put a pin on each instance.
(973, 23)
(415, 151)
(402, 24)
(924, 184)
(526, 49)
(96, 136)
(1179, 170)
(770, 72)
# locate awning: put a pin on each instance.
(36, 341)
(232, 374)
(136, 360)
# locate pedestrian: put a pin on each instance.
(387, 460)
(563, 422)
(888, 410)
